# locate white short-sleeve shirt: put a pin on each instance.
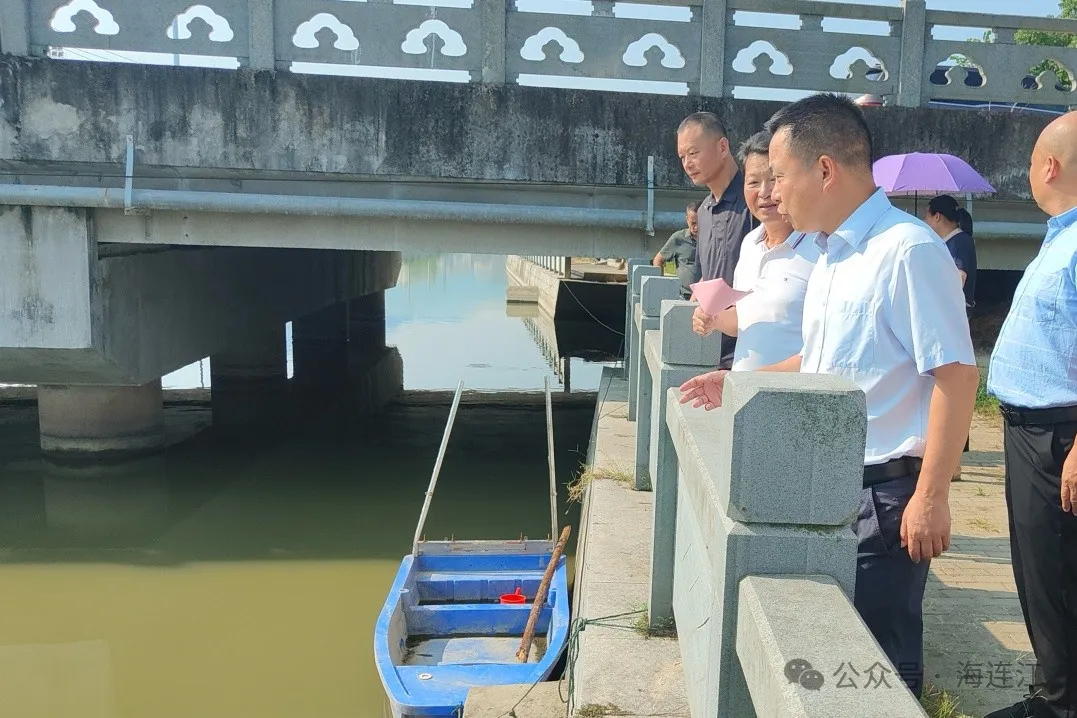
(770, 319)
(884, 308)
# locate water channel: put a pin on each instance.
(226, 579)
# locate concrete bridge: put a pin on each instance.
(152, 215)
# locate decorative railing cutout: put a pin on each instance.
(63, 20)
(306, 35)
(220, 30)
(777, 61)
(534, 48)
(1050, 73)
(874, 69)
(963, 71)
(636, 54)
(452, 42)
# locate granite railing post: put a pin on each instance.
(674, 355)
(913, 49)
(767, 485)
(263, 49)
(15, 27)
(712, 53)
(635, 279)
(626, 347)
(493, 36)
(653, 290)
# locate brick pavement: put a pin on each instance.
(976, 646)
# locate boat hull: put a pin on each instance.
(442, 630)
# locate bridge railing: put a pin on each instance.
(709, 47)
(561, 265)
(753, 556)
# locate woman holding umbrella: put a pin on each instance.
(953, 223)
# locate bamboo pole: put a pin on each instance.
(550, 462)
(540, 597)
(437, 470)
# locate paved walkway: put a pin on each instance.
(975, 641)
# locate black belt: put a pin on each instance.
(893, 469)
(1016, 416)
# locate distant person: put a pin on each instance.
(884, 311)
(953, 223)
(775, 263)
(724, 219)
(681, 248)
(1033, 373)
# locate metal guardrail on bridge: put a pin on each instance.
(674, 46)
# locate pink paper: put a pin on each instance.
(715, 295)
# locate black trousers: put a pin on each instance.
(889, 586)
(1043, 547)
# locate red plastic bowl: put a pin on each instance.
(517, 597)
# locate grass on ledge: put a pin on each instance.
(578, 488)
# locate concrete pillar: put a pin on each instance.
(320, 348)
(653, 290)
(366, 324)
(672, 355)
(375, 372)
(100, 421)
(250, 383)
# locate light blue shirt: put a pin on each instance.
(1034, 363)
(884, 308)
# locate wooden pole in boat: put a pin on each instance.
(550, 462)
(437, 470)
(540, 597)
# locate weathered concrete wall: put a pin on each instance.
(249, 122)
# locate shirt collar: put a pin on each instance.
(854, 230)
(1063, 221)
(951, 235)
(791, 241)
(733, 191)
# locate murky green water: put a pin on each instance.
(226, 579)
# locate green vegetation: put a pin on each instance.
(940, 704)
(1068, 10)
(642, 625)
(594, 710)
(985, 403)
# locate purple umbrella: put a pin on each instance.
(921, 172)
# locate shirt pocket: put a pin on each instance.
(850, 332)
(1039, 302)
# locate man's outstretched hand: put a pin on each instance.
(704, 390)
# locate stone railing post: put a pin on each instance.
(653, 291)
(767, 484)
(913, 48)
(494, 28)
(15, 27)
(626, 346)
(632, 355)
(263, 50)
(674, 355)
(712, 53)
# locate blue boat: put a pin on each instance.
(457, 612)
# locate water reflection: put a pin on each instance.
(449, 318)
(225, 579)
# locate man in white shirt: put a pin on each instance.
(775, 263)
(884, 310)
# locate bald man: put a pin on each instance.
(1033, 373)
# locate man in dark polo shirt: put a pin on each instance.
(723, 217)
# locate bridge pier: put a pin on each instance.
(250, 383)
(91, 422)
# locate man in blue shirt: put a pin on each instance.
(884, 309)
(1033, 373)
